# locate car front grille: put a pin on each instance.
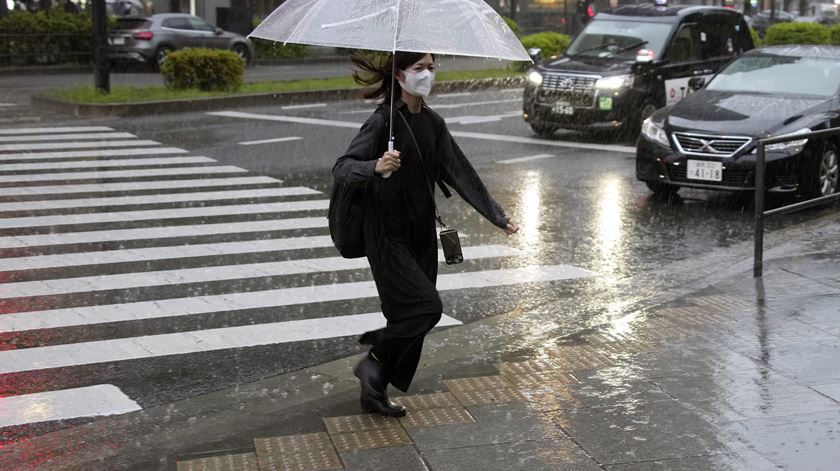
(708, 145)
(577, 90)
(732, 178)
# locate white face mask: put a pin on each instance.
(418, 83)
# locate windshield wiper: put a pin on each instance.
(632, 46)
(602, 46)
(588, 49)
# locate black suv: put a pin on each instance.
(627, 63)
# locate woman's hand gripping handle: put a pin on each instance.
(389, 162)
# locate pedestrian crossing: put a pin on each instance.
(121, 255)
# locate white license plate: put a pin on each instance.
(563, 108)
(116, 41)
(705, 170)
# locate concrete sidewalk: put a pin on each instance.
(716, 372)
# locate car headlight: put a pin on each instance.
(615, 82)
(655, 133)
(789, 144)
(535, 78)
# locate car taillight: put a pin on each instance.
(143, 35)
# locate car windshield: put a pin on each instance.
(604, 38)
(779, 75)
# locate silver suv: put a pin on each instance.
(149, 38)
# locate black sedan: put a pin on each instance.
(708, 139)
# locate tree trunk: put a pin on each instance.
(4, 9)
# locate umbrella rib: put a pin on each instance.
(302, 20)
(397, 26)
(484, 27)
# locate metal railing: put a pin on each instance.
(760, 188)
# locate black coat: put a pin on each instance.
(400, 236)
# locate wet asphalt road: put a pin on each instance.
(579, 206)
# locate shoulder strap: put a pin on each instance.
(423, 164)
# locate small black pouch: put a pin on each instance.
(451, 246)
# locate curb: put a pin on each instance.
(240, 101)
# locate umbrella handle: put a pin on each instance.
(390, 148)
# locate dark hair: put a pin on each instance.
(376, 68)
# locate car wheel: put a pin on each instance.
(160, 55)
(241, 50)
(543, 130)
(662, 188)
(825, 174)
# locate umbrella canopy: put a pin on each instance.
(456, 27)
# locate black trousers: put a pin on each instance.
(405, 272)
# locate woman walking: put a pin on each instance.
(399, 222)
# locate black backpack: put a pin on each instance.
(346, 214)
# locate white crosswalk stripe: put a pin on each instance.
(76, 154)
(104, 163)
(156, 199)
(152, 172)
(122, 287)
(66, 137)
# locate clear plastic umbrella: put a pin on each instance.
(455, 27)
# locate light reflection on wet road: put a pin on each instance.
(582, 209)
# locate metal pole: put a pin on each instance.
(760, 165)
(101, 73)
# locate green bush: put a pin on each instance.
(265, 49)
(755, 37)
(834, 35)
(551, 43)
(513, 25)
(203, 69)
(45, 37)
(796, 33)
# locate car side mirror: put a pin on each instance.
(534, 53)
(219, 31)
(696, 83)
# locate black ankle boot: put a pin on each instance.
(374, 397)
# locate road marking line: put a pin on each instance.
(155, 214)
(132, 186)
(450, 95)
(87, 284)
(151, 172)
(89, 401)
(67, 137)
(78, 145)
(105, 163)
(7, 105)
(446, 106)
(270, 141)
(156, 199)
(150, 346)
(526, 159)
(300, 107)
(482, 119)
(166, 232)
(92, 153)
(475, 103)
(542, 142)
(175, 307)
(471, 135)
(162, 253)
(286, 119)
(12, 131)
